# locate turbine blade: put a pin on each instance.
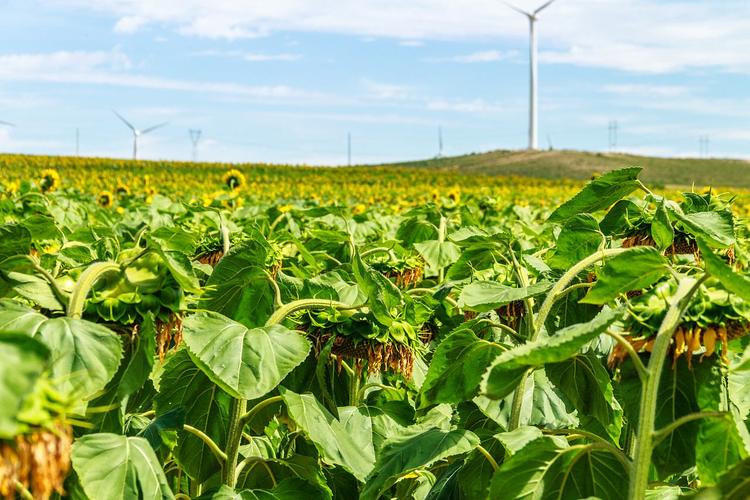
(3, 122)
(518, 9)
(129, 125)
(544, 6)
(147, 130)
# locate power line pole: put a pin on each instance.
(349, 149)
(195, 136)
(440, 141)
(612, 129)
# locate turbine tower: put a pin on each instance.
(195, 136)
(532, 16)
(136, 132)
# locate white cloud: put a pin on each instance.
(482, 56)
(639, 90)
(647, 36)
(471, 106)
(112, 68)
(256, 57)
(379, 90)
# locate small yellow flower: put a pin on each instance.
(359, 209)
(105, 199)
(285, 208)
(234, 179)
(122, 190)
(50, 180)
(454, 195)
(11, 187)
(51, 248)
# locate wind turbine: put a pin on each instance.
(195, 136)
(136, 132)
(532, 16)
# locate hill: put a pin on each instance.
(581, 165)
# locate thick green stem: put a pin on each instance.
(639, 366)
(481, 449)
(644, 443)
(517, 405)
(87, 280)
(556, 292)
(60, 295)
(375, 250)
(299, 305)
(234, 438)
(664, 433)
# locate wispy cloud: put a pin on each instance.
(483, 56)
(647, 90)
(112, 68)
(250, 56)
(389, 91)
(463, 106)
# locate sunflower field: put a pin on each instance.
(256, 332)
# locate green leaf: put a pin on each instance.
(346, 442)
(661, 228)
(141, 360)
(599, 194)
(483, 296)
(416, 448)
(119, 467)
(85, 355)
(181, 269)
(288, 489)
(450, 382)
(239, 288)
(735, 483)
(23, 362)
(14, 240)
(716, 228)
(183, 384)
(579, 238)
(438, 255)
(586, 384)
(735, 283)
(383, 297)
(246, 363)
(507, 369)
(548, 468)
(634, 269)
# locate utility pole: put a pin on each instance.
(612, 129)
(195, 136)
(440, 141)
(349, 149)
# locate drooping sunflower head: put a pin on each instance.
(105, 199)
(11, 187)
(234, 179)
(50, 180)
(435, 195)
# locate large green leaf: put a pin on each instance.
(579, 238)
(735, 483)
(418, 447)
(662, 231)
(482, 296)
(239, 287)
(14, 240)
(288, 489)
(119, 468)
(383, 297)
(23, 362)
(549, 468)
(586, 384)
(437, 254)
(634, 269)
(599, 194)
(716, 228)
(246, 363)
(735, 283)
(85, 355)
(507, 369)
(346, 442)
(183, 384)
(449, 381)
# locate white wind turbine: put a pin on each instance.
(533, 140)
(136, 132)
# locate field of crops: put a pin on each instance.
(235, 332)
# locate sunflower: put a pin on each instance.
(122, 190)
(234, 179)
(50, 180)
(11, 187)
(454, 195)
(105, 199)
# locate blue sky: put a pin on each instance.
(285, 81)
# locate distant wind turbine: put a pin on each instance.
(7, 124)
(532, 16)
(136, 132)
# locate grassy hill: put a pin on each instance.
(580, 165)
